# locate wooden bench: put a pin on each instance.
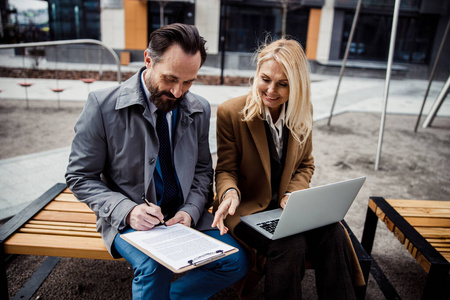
(423, 227)
(56, 224)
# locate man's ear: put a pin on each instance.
(147, 59)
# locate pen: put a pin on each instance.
(162, 221)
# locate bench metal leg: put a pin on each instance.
(435, 287)
(360, 291)
(4, 281)
(36, 280)
(370, 226)
(365, 262)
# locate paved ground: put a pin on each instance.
(23, 178)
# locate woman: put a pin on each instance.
(264, 153)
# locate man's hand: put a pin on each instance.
(144, 217)
(180, 217)
(228, 207)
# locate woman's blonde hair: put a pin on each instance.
(292, 59)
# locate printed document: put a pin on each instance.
(178, 247)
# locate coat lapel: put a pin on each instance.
(258, 132)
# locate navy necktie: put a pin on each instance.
(169, 203)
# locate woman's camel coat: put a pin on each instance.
(244, 164)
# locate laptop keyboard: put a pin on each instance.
(269, 225)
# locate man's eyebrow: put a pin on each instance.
(173, 77)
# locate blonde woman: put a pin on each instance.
(264, 153)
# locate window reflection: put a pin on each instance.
(74, 19)
(413, 44)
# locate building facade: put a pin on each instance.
(322, 26)
(235, 28)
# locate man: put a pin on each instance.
(147, 140)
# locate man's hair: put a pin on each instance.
(185, 36)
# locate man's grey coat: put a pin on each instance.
(114, 154)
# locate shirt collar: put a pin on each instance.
(281, 119)
(147, 93)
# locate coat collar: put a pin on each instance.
(131, 93)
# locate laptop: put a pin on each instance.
(307, 209)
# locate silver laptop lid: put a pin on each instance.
(317, 206)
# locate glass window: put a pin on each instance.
(176, 12)
(74, 19)
(372, 37)
(247, 26)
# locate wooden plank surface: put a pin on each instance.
(428, 222)
(427, 232)
(69, 197)
(65, 216)
(54, 245)
(64, 227)
(68, 206)
(60, 232)
(418, 203)
(58, 228)
(69, 224)
(424, 212)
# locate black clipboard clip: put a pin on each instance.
(207, 257)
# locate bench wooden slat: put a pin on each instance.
(427, 232)
(428, 222)
(53, 245)
(441, 240)
(57, 227)
(68, 197)
(423, 262)
(398, 203)
(68, 206)
(60, 232)
(65, 216)
(424, 212)
(442, 249)
(69, 224)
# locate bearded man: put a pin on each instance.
(146, 140)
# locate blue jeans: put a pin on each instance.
(153, 281)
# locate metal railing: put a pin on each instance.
(70, 42)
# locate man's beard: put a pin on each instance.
(156, 97)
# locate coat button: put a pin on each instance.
(151, 161)
(106, 209)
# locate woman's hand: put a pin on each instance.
(228, 207)
(283, 201)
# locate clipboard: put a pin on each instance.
(179, 248)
